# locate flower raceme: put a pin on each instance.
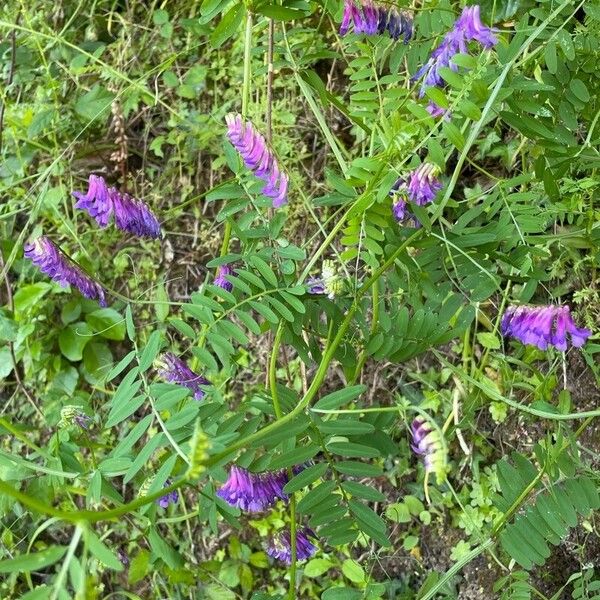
(330, 282)
(174, 370)
(258, 157)
(58, 266)
(372, 18)
(131, 215)
(468, 27)
(423, 184)
(421, 189)
(543, 326)
(281, 547)
(255, 492)
(427, 442)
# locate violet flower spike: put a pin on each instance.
(252, 492)
(400, 205)
(427, 442)
(372, 18)
(543, 326)
(131, 215)
(134, 216)
(175, 370)
(257, 157)
(281, 547)
(221, 279)
(468, 27)
(59, 267)
(170, 498)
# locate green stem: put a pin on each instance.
(307, 93)
(245, 103)
(278, 415)
(374, 321)
(456, 567)
(247, 65)
(292, 590)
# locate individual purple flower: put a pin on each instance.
(543, 326)
(372, 18)
(58, 266)
(468, 27)
(131, 215)
(316, 285)
(253, 492)
(427, 442)
(437, 111)
(82, 420)
(403, 215)
(221, 279)
(122, 556)
(169, 498)
(470, 24)
(175, 370)
(73, 415)
(258, 158)
(281, 547)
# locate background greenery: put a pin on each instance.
(138, 92)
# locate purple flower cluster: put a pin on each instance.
(373, 18)
(256, 492)
(54, 263)
(175, 370)
(543, 326)
(258, 158)
(131, 215)
(421, 189)
(170, 498)
(221, 279)
(427, 442)
(253, 492)
(468, 27)
(281, 547)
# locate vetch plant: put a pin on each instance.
(282, 371)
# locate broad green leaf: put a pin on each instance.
(106, 556)
(26, 563)
(353, 571)
(73, 338)
(340, 397)
(108, 323)
(305, 477)
(94, 104)
(316, 567)
(228, 25)
(353, 450)
(150, 351)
